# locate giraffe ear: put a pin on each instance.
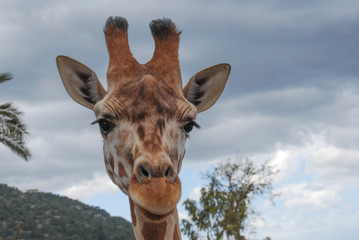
(80, 81)
(205, 87)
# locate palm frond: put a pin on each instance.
(5, 77)
(13, 131)
(9, 110)
(16, 146)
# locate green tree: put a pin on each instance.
(12, 129)
(225, 207)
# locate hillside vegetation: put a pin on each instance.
(49, 216)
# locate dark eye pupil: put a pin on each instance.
(105, 126)
(188, 127)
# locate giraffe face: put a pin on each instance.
(145, 115)
(144, 127)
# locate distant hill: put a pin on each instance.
(49, 216)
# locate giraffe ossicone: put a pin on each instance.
(145, 117)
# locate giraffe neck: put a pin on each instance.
(147, 226)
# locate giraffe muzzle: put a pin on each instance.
(155, 187)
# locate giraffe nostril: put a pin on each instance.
(168, 172)
(145, 173)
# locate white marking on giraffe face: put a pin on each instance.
(118, 146)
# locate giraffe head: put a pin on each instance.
(145, 116)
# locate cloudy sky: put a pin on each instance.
(292, 97)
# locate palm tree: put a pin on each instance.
(12, 130)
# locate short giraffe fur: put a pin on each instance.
(145, 117)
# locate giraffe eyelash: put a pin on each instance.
(107, 117)
(96, 121)
(188, 127)
(105, 125)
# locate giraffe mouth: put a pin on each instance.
(157, 197)
(154, 217)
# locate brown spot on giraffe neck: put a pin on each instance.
(154, 231)
(176, 235)
(133, 215)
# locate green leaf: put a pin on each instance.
(5, 77)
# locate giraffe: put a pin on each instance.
(145, 117)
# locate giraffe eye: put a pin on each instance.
(187, 128)
(105, 126)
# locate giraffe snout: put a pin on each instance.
(155, 186)
(147, 170)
